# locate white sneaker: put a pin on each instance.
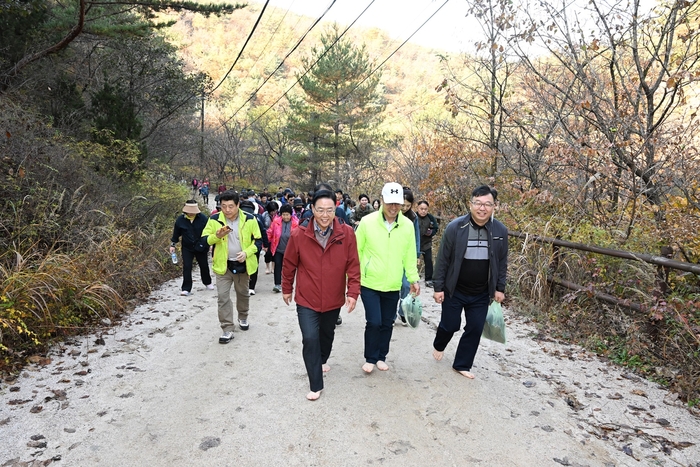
(251, 292)
(243, 323)
(226, 338)
(211, 287)
(185, 293)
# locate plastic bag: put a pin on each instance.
(495, 327)
(412, 310)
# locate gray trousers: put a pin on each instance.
(223, 290)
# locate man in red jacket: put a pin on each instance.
(323, 257)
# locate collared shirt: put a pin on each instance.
(234, 240)
(387, 224)
(322, 236)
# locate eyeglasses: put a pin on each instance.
(321, 212)
(479, 204)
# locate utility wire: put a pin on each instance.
(274, 33)
(242, 48)
(282, 62)
(308, 69)
(392, 53)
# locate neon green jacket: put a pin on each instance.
(384, 254)
(248, 232)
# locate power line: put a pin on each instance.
(310, 67)
(282, 62)
(392, 53)
(274, 33)
(242, 48)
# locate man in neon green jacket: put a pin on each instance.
(386, 244)
(236, 238)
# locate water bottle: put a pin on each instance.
(174, 257)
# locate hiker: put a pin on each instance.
(189, 225)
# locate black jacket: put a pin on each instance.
(189, 231)
(453, 247)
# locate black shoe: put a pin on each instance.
(339, 321)
(429, 284)
(403, 320)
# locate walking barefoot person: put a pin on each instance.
(386, 243)
(322, 255)
(471, 270)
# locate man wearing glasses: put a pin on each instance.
(471, 270)
(322, 256)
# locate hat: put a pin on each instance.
(247, 206)
(191, 207)
(392, 193)
(298, 202)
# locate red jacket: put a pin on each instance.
(322, 275)
(275, 232)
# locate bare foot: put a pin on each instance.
(326, 368)
(312, 396)
(437, 355)
(382, 366)
(466, 374)
(368, 367)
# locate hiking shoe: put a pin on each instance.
(226, 337)
(277, 289)
(339, 321)
(210, 286)
(243, 323)
(185, 293)
(429, 284)
(251, 292)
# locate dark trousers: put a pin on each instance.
(278, 257)
(380, 311)
(254, 277)
(317, 333)
(188, 257)
(428, 259)
(475, 308)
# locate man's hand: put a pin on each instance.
(241, 256)
(350, 303)
(499, 296)
(223, 231)
(415, 289)
(287, 297)
(439, 297)
(172, 250)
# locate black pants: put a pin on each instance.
(317, 333)
(475, 308)
(428, 258)
(279, 257)
(254, 277)
(188, 257)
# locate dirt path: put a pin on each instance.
(162, 391)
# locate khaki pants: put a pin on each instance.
(223, 290)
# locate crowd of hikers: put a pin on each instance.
(333, 250)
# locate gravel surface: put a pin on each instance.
(159, 390)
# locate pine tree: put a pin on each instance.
(334, 120)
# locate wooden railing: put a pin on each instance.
(662, 261)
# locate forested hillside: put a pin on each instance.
(585, 120)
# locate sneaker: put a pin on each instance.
(429, 284)
(277, 289)
(185, 293)
(226, 338)
(403, 320)
(210, 286)
(243, 323)
(339, 321)
(251, 292)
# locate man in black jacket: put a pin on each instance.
(471, 270)
(189, 226)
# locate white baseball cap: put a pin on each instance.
(392, 193)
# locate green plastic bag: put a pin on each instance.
(412, 310)
(495, 327)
